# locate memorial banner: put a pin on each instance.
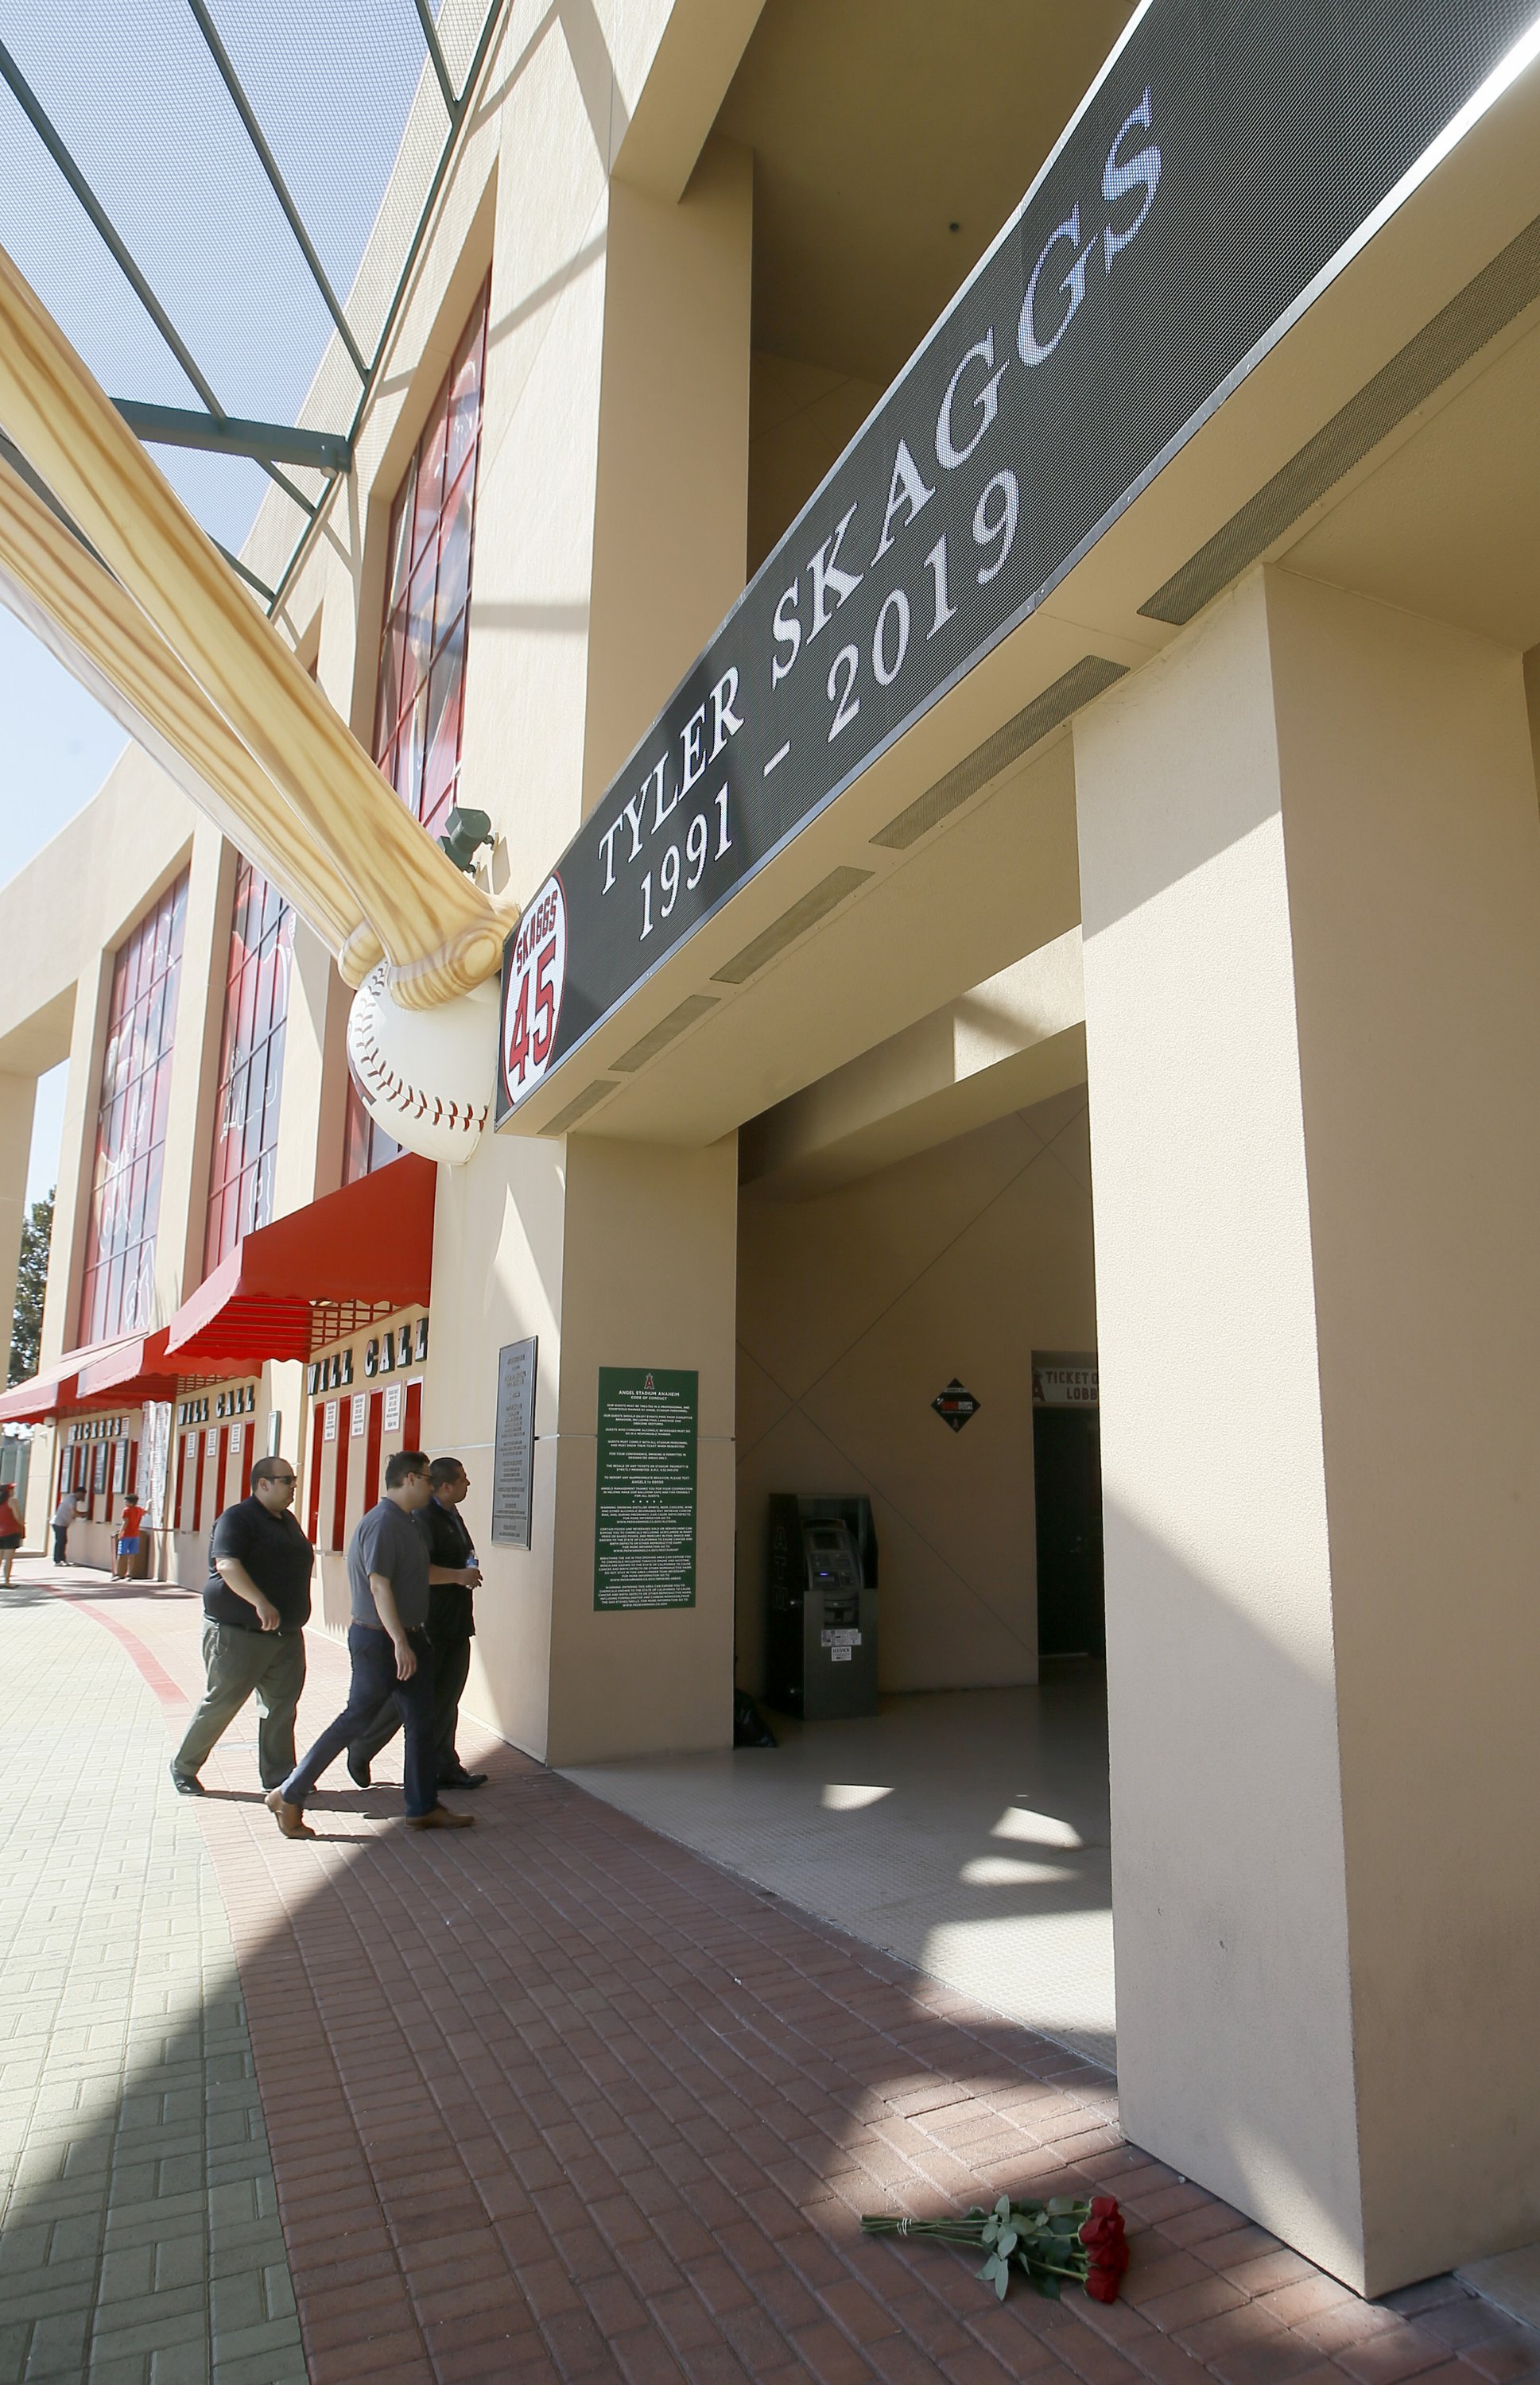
(1228, 161)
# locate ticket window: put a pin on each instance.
(342, 1411)
(359, 1413)
(201, 1454)
(312, 1491)
(373, 1430)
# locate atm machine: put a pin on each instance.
(821, 1635)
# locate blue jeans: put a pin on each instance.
(374, 1681)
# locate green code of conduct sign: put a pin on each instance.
(644, 1503)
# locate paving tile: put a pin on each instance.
(566, 2102)
(113, 2155)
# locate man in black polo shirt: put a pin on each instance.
(391, 1655)
(256, 1603)
(454, 1579)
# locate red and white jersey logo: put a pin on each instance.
(531, 997)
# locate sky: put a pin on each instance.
(136, 99)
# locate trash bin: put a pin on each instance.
(822, 1630)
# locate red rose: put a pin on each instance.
(1105, 2207)
(1102, 2285)
(1101, 2229)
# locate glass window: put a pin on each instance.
(420, 705)
(417, 734)
(251, 1064)
(118, 1293)
(365, 1145)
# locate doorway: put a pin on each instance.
(1067, 1481)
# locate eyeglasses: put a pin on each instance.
(288, 1481)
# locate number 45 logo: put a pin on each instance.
(534, 975)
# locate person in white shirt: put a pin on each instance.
(64, 1516)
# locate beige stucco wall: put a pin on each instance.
(854, 1310)
(618, 1255)
(1310, 860)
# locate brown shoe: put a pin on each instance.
(441, 1817)
(290, 1818)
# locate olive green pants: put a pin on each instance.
(271, 1665)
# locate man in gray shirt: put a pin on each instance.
(387, 1573)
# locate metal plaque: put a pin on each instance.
(513, 1447)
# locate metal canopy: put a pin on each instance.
(189, 185)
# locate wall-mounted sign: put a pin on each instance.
(330, 1374)
(399, 1345)
(1064, 1379)
(98, 1428)
(955, 1405)
(513, 1447)
(1226, 160)
(328, 1429)
(359, 1423)
(645, 1499)
(212, 1440)
(391, 1419)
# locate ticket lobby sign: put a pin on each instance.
(644, 1494)
(1225, 166)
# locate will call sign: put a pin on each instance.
(1228, 155)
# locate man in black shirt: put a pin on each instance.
(255, 1604)
(453, 1578)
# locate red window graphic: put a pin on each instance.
(251, 1064)
(366, 1147)
(420, 707)
(118, 1293)
(422, 685)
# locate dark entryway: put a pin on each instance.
(1066, 1448)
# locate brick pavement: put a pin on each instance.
(556, 2099)
(140, 2240)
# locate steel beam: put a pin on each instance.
(265, 442)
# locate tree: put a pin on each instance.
(31, 1283)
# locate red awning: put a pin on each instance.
(369, 1249)
(53, 1388)
(136, 1372)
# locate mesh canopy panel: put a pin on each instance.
(343, 94)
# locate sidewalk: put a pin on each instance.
(139, 2213)
(558, 2099)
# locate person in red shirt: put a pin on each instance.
(128, 1541)
(10, 1534)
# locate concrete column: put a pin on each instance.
(614, 1255)
(17, 1095)
(670, 534)
(72, 1199)
(195, 1070)
(1311, 864)
(314, 1077)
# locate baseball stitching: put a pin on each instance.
(375, 1072)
